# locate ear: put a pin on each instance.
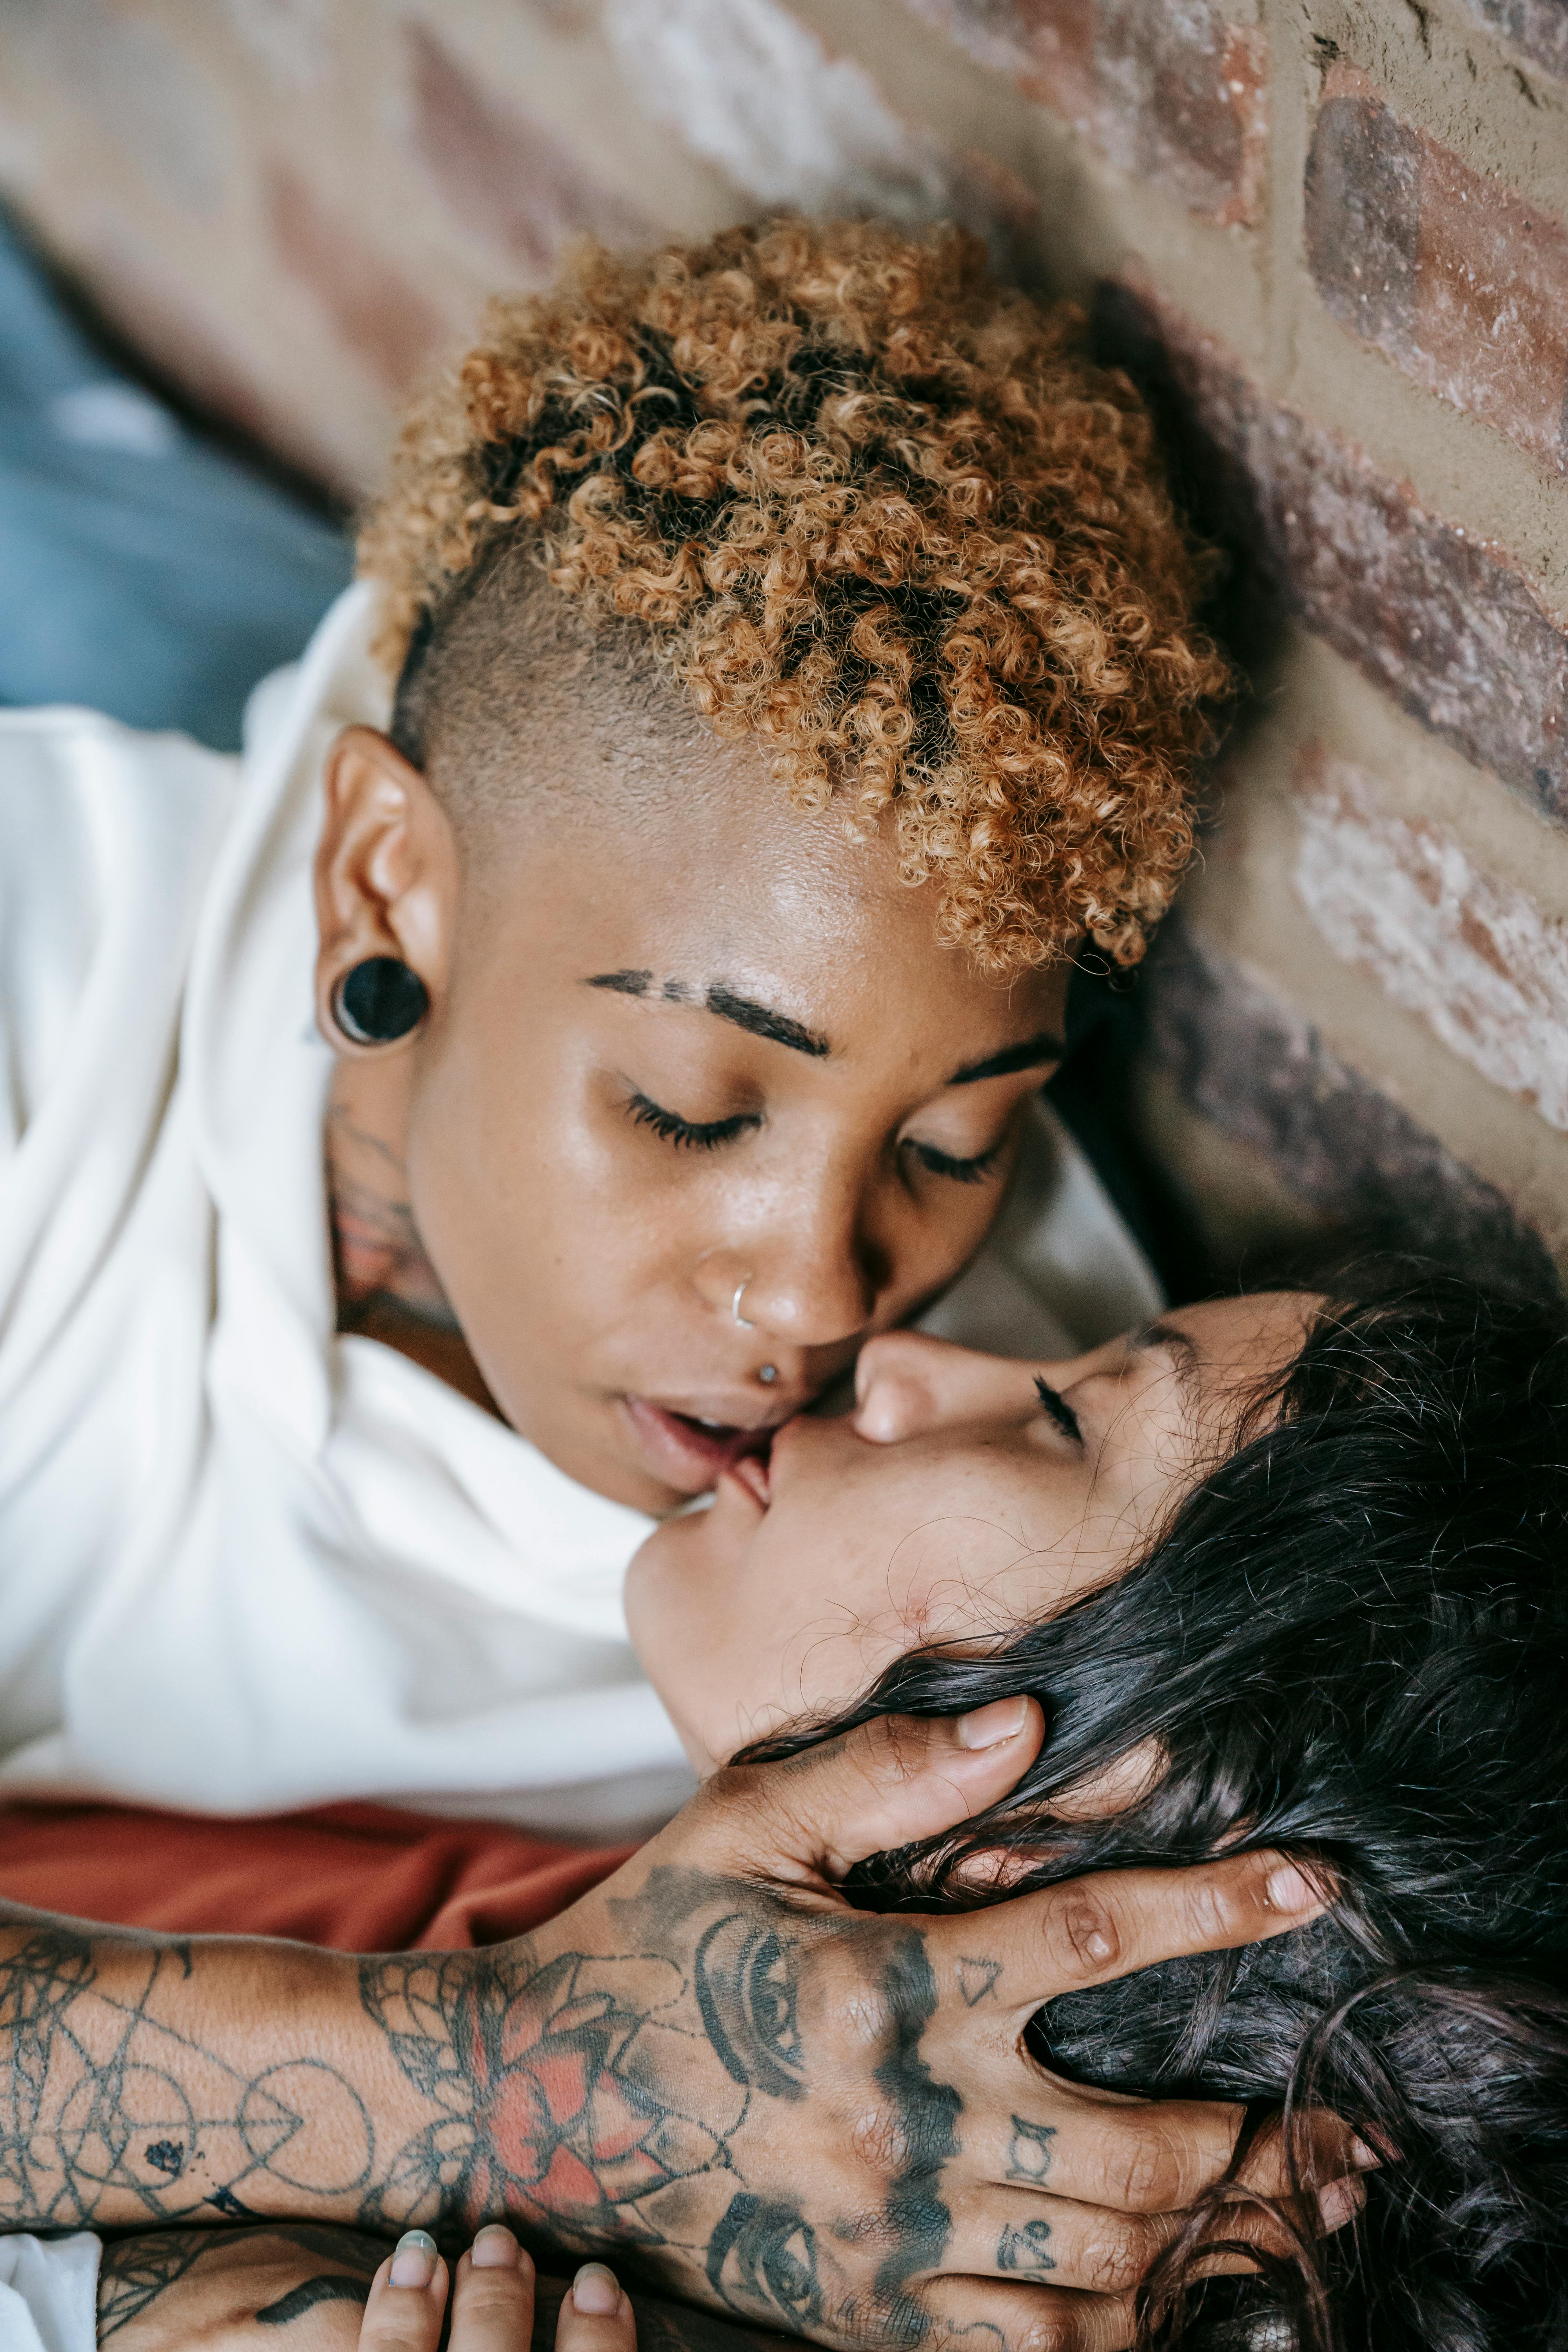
(387, 868)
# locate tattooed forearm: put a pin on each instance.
(622, 2101)
(137, 2272)
(173, 2286)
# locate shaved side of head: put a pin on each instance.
(518, 705)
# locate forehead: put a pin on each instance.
(663, 848)
(1234, 1344)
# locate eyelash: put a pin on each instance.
(1057, 1409)
(686, 1134)
(962, 1171)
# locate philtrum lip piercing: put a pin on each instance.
(767, 1374)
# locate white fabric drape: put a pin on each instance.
(48, 2293)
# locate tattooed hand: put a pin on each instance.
(810, 2117)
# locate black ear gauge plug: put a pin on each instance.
(379, 1001)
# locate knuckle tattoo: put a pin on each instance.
(1025, 2248)
(1029, 2151)
(977, 1979)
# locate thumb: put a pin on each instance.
(886, 1783)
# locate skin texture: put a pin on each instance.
(308, 2289)
(809, 2117)
(506, 1207)
(950, 1506)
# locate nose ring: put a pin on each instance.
(735, 1306)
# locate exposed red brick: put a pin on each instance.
(1258, 1068)
(1445, 623)
(1475, 959)
(1175, 96)
(374, 308)
(1457, 277)
(1539, 27)
(502, 172)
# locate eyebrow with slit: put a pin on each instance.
(742, 1011)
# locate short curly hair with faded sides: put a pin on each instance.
(871, 511)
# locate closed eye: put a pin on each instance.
(690, 1135)
(1058, 1410)
(962, 1171)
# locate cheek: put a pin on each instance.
(928, 1245)
(689, 1636)
(518, 1187)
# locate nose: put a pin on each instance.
(908, 1385)
(810, 1279)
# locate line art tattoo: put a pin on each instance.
(617, 2102)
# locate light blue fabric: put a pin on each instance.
(141, 573)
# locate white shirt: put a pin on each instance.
(247, 1564)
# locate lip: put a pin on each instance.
(681, 1456)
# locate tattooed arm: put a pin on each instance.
(293, 2288)
(303, 2284)
(808, 2117)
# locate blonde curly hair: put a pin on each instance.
(878, 515)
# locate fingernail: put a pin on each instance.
(1339, 2199)
(1289, 1889)
(988, 1726)
(1364, 2158)
(414, 2264)
(596, 2289)
(495, 2249)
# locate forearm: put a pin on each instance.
(145, 2079)
(566, 2083)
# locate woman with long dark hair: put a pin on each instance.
(1273, 1587)
(1348, 1641)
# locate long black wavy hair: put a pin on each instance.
(1351, 1641)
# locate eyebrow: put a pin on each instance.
(742, 1011)
(1027, 1056)
(1183, 1352)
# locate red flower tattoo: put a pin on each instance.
(557, 2126)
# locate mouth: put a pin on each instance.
(689, 1451)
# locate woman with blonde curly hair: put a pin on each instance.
(773, 662)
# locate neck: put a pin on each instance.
(386, 1287)
(376, 1248)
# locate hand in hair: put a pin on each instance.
(1350, 1643)
(811, 2117)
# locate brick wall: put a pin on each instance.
(1329, 236)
